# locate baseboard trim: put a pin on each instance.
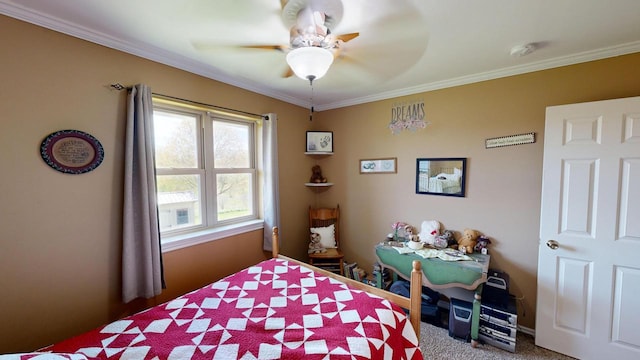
(527, 330)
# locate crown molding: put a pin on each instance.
(183, 63)
(146, 52)
(624, 49)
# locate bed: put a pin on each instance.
(279, 308)
(445, 182)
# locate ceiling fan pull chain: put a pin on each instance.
(311, 109)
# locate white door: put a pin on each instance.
(588, 303)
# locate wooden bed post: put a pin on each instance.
(275, 247)
(416, 296)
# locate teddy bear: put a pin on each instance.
(315, 247)
(483, 243)
(316, 175)
(468, 240)
(428, 231)
(414, 240)
(410, 233)
(444, 240)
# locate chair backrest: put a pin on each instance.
(323, 217)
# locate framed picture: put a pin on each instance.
(319, 142)
(441, 176)
(376, 166)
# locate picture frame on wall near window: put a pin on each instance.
(319, 142)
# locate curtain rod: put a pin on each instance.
(118, 86)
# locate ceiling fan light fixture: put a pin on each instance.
(310, 63)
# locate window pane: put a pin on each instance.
(176, 140)
(179, 201)
(231, 145)
(182, 216)
(235, 196)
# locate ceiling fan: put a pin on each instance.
(312, 45)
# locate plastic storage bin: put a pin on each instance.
(460, 319)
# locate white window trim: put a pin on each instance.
(199, 237)
(174, 241)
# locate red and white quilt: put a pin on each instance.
(273, 310)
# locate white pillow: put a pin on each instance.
(327, 235)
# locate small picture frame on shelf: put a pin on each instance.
(319, 142)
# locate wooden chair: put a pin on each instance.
(332, 259)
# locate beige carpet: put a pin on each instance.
(436, 344)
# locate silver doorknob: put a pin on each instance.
(552, 244)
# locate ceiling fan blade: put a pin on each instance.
(265, 47)
(347, 37)
(208, 46)
(288, 73)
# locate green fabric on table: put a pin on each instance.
(436, 270)
(447, 254)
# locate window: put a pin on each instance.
(205, 169)
(182, 216)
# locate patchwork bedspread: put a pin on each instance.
(275, 309)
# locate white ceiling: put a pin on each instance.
(405, 46)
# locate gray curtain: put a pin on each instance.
(141, 254)
(270, 190)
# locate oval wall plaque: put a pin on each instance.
(72, 151)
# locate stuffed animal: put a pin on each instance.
(414, 240)
(428, 231)
(315, 247)
(410, 233)
(483, 243)
(316, 175)
(468, 240)
(444, 240)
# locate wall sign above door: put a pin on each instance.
(407, 116)
(72, 151)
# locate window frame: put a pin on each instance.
(211, 228)
(211, 171)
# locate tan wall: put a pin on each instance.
(503, 184)
(60, 234)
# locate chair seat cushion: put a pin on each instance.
(329, 254)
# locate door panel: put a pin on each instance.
(630, 211)
(577, 196)
(587, 303)
(625, 307)
(572, 312)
